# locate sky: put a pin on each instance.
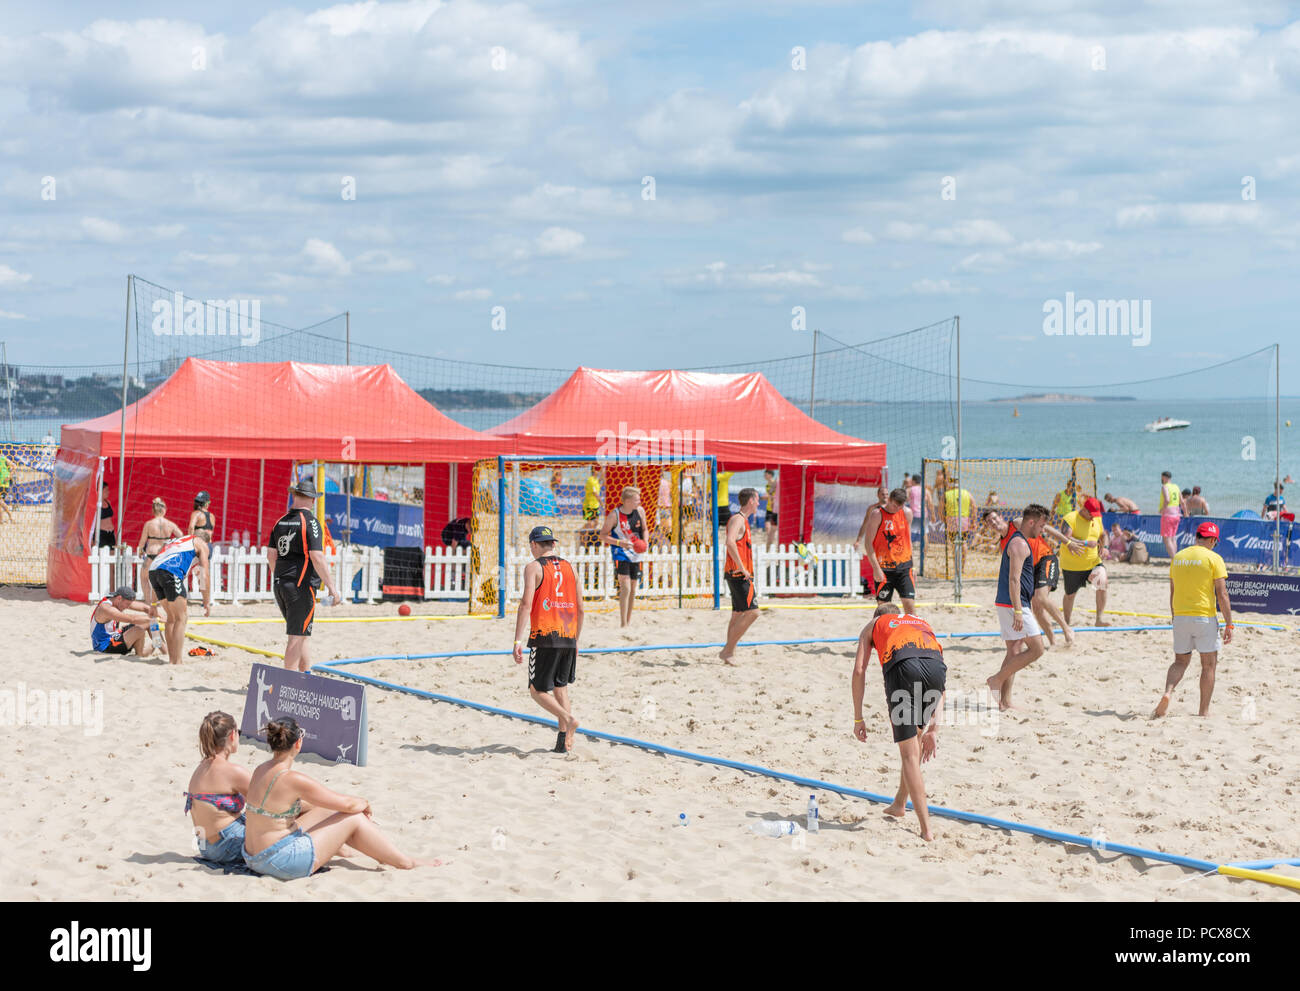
(662, 185)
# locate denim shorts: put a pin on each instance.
(286, 859)
(229, 849)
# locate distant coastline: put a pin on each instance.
(1064, 397)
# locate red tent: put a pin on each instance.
(235, 429)
(739, 418)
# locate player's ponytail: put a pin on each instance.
(213, 731)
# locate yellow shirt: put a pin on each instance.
(1172, 497)
(724, 481)
(1064, 503)
(1081, 529)
(591, 500)
(950, 501)
(1193, 572)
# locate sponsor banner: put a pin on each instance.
(1240, 541)
(1277, 595)
(375, 522)
(331, 712)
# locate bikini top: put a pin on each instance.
(292, 812)
(234, 804)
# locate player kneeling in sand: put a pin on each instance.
(915, 679)
(119, 624)
(551, 613)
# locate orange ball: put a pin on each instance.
(403, 610)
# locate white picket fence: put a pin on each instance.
(241, 574)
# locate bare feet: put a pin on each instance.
(569, 732)
(726, 658)
(1069, 638)
(995, 690)
(896, 810)
(1161, 707)
(1102, 622)
(927, 836)
(436, 862)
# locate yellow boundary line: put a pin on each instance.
(1249, 875)
(333, 619)
(871, 604)
(236, 646)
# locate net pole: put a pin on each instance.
(121, 438)
(501, 537)
(1277, 453)
(713, 473)
(9, 392)
(812, 387)
(225, 502)
(347, 497)
(261, 496)
(680, 475)
(960, 536)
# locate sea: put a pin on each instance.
(1228, 450)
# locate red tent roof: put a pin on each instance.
(287, 409)
(744, 419)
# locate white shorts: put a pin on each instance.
(1199, 633)
(1029, 628)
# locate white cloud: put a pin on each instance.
(226, 260)
(1240, 214)
(324, 259)
(7, 315)
(937, 287)
(440, 280)
(964, 232)
(472, 294)
(382, 261)
(9, 277)
(104, 231)
(857, 235)
(559, 241)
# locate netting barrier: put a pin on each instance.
(956, 509)
(574, 497)
(26, 509)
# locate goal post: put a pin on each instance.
(955, 515)
(573, 496)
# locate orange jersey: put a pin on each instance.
(745, 545)
(911, 634)
(554, 617)
(893, 540)
(1038, 547)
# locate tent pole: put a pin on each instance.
(225, 503)
(347, 489)
(121, 438)
(960, 536)
(1277, 453)
(261, 494)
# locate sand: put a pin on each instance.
(99, 815)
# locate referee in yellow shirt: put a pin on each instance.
(1084, 567)
(1197, 579)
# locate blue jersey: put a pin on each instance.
(627, 527)
(1026, 573)
(101, 634)
(176, 556)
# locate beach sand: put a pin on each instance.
(99, 815)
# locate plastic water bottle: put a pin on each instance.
(814, 817)
(155, 634)
(245, 538)
(682, 819)
(778, 827)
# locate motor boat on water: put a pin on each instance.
(1166, 423)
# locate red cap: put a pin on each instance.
(1093, 505)
(1208, 530)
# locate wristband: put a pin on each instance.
(856, 721)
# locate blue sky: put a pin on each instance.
(1098, 149)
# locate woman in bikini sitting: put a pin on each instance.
(217, 792)
(155, 533)
(316, 823)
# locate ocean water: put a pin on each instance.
(1215, 452)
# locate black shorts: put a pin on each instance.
(724, 514)
(167, 585)
(117, 645)
(630, 568)
(297, 605)
(107, 538)
(896, 580)
(550, 668)
(743, 598)
(772, 519)
(913, 687)
(1075, 580)
(1047, 572)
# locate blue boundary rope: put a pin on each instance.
(815, 783)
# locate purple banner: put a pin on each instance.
(1277, 595)
(331, 712)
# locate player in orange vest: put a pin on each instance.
(887, 534)
(911, 661)
(740, 573)
(550, 612)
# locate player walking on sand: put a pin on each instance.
(887, 533)
(1084, 567)
(1171, 512)
(550, 612)
(1047, 573)
(1015, 591)
(739, 571)
(911, 662)
(1198, 579)
(297, 560)
(625, 531)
